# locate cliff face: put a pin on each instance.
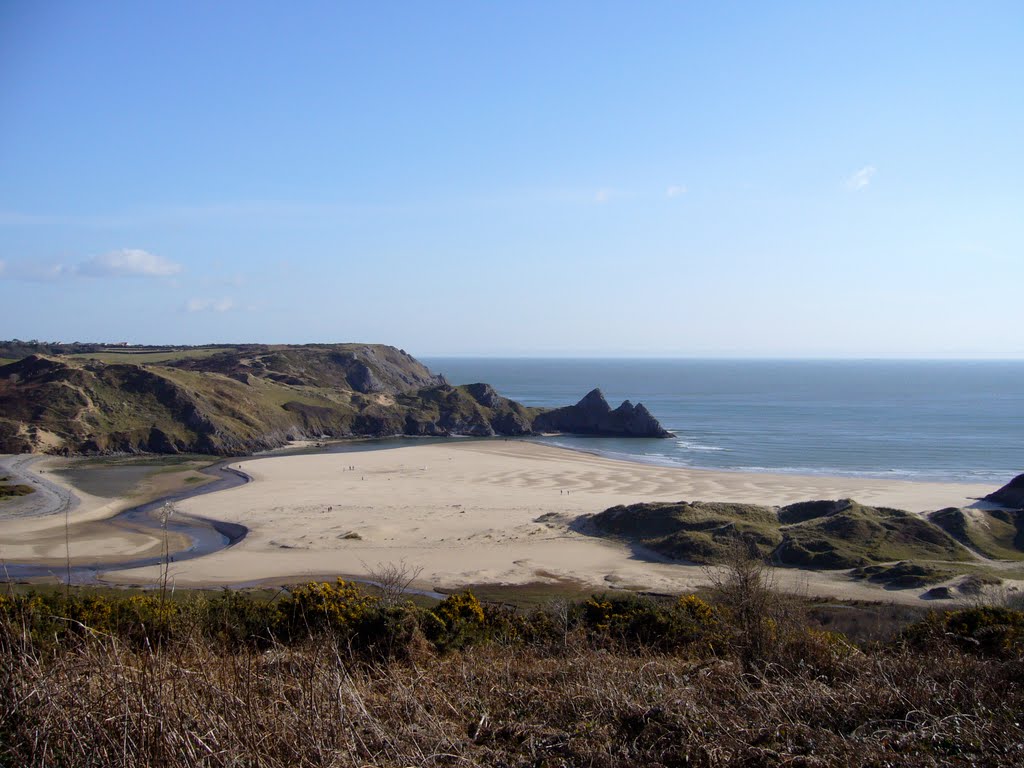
(247, 399)
(593, 416)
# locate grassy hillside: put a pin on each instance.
(1011, 495)
(227, 401)
(845, 534)
(139, 355)
(904, 575)
(992, 533)
(699, 532)
(818, 534)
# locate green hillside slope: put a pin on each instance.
(817, 534)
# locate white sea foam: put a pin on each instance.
(689, 445)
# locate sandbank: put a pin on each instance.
(60, 519)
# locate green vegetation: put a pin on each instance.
(993, 533)
(815, 534)
(358, 618)
(902, 575)
(992, 631)
(845, 534)
(700, 532)
(139, 355)
(328, 674)
(9, 491)
(235, 400)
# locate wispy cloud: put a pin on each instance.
(862, 178)
(676, 190)
(126, 262)
(210, 305)
(35, 272)
(603, 195)
(129, 262)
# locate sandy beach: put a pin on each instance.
(476, 512)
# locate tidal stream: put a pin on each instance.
(205, 535)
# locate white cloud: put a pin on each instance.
(129, 262)
(861, 178)
(675, 190)
(602, 195)
(209, 305)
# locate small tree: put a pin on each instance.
(755, 614)
(393, 580)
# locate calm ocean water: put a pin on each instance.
(925, 420)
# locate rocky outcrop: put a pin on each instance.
(1010, 495)
(485, 394)
(593, 416)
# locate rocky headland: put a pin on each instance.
(243, 399)
(593, 416)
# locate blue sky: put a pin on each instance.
(551, 178)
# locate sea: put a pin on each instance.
(956, 421)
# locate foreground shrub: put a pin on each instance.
(638, 620)
(986, 631)
(757, 621)
(235, 619)
(318, 608)
(53, 620)
(456, 622)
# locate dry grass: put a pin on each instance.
(339, 679)
(102, 703)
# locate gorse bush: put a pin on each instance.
(456, 622)
(235, 620)
(634, 619)
(56, 619)
(775, 634)
(347, 615)
(319, 607)
(984, 631)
